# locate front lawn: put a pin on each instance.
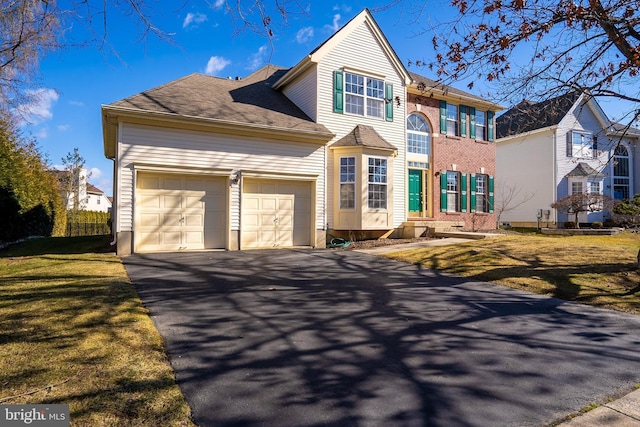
(594, 270)
(73, 331)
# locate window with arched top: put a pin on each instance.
(418, 134)
(621, 173)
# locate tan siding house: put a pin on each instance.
(281, 158)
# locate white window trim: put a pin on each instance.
(364, 96)
(581, 146)
(347, 183)
(384, 184)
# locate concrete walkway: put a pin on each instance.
(624, 412)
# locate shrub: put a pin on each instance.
(569, 224)
(596, 224)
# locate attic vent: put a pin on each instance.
(238, 78)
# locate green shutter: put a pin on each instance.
(490, 193)
(474, 188)
(463, 120)
(463, 192)
(388, 102)
(443, 117)
(338, 92)
(443, 191)
(490, 126)
(472, 122)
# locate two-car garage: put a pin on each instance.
(176, 212)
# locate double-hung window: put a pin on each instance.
(482, 200)
(453, 191)
(364, 96)
(580, 144)
(347, 182)
(377, 188)
(452, 120)
(481, 125)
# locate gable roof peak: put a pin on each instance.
(317, 54)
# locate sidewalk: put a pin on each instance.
(623, 412)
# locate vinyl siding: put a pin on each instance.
(579, 118)
(303, 93)
(526, 165)
(361, 52)
(166, 147)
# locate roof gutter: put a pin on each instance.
(528, 134)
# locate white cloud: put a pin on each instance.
(335, 26)
(95, 173)
(76, 103)
(304, 35)
(219, 4)
(42, 133)
(40, 107)
(64, 128)
(342, 7)
(256, 60)
(216, 64)
(194, 18)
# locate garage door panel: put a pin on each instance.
(279, 214)
(150, 201)
(193, 220)
(194, 237)
(149, 220)
(171, 201)
(268, 204)
(171, 220)
(171, 238)
(177, 212)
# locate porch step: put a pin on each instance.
(423, 228)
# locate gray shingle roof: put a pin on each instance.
(583, 170)
(528, 116)
(245, 101)
(429, 84)
(364, 136)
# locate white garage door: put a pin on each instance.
(276, 213)
(175, 212)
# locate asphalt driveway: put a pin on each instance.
(339, 338)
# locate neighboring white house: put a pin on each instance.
(285, 157)
(558, 147)
(77, 192)
(96, 200)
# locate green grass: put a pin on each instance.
(594, 270)
(73, 331)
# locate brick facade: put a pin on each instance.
(468, 155)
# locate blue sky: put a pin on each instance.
(76, 81)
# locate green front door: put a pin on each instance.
(415, 192)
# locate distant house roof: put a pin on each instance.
(583, 170)
(363, 136)
(93, 189)
(528, 116)
(243, 101)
